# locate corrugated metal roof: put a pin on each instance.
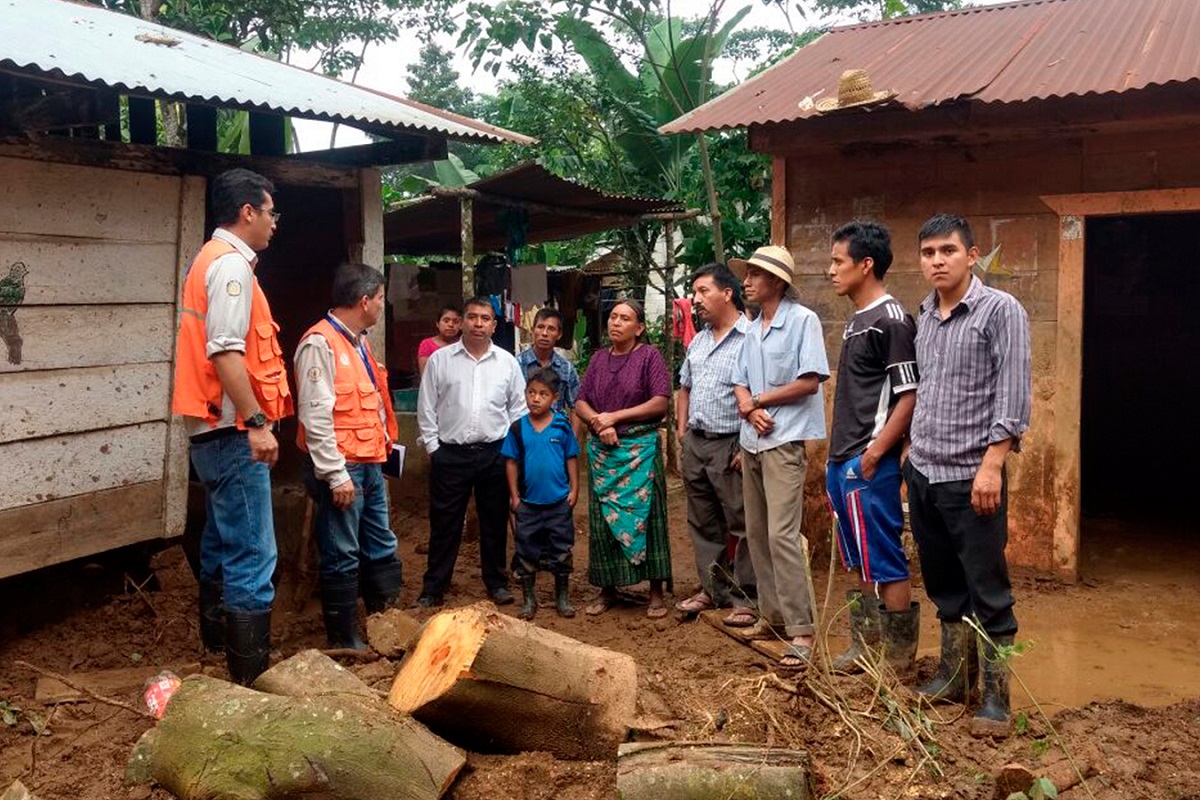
(1008, 53)
(100, 47)
(431, 226)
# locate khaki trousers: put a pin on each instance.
(773, 488)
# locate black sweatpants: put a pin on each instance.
(456, 471)
(962, 553)
(543, 538)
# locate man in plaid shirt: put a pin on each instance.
(708, 426)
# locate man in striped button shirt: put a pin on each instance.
(708, 423)
(973, 406)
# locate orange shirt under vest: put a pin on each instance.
(198, 390)
(361, 433)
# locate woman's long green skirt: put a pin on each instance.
(607, 565)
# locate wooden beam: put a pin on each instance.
(267, 134)
(143, 123)
(173, 161)
(405, 150)
(619, 218)
(779, 201)
(1157, 107)
(69, 109)
(201, 128)
(1107, 204)
(467, 231)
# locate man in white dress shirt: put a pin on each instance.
(471, 392)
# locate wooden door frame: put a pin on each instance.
(1073, 211)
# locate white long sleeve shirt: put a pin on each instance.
(464, 400)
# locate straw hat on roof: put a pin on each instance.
(854, 90)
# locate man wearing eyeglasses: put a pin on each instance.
(231, 387)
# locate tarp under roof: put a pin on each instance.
(86, 43)
(433, 226)
(1009, 53)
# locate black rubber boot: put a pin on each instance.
(339, 605)
(562, 595)
(212, 616)
(993, 717)
(529, 602)
(898, 633)
(247, 644)
(955, 678)
(381, 582)
(864, 631)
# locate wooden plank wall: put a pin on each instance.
(86, 440)
(998, 188)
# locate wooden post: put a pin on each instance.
(468, 247)
(143, 125)
(201, 128)
(669, 294)
(267, 134)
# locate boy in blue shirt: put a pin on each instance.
(542, 466)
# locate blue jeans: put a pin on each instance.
(238, 542)
(361, 532)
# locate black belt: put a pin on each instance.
(710, 435)
(472, 445)
(219, 433)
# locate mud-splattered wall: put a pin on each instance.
(998, 188)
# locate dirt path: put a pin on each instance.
(708, 684)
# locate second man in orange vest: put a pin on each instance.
(347, 427)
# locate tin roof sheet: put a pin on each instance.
(1009, 53)
(86, 43)
(432, 226)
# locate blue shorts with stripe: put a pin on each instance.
(870, 518)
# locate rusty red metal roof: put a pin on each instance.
(1009, 53)
(431, 226)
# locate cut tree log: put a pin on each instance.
(338, 739)
(391, 631)
(492, 683)
(712, 771)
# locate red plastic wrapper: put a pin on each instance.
(158, 692)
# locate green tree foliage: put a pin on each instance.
(338, 30)
(433, 80)
(867, 10)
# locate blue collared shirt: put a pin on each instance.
(568, 390)
(707, 372)
(791, 346)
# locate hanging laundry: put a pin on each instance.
(684, 327)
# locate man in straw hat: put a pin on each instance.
(778, 388)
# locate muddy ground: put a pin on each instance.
(705, 684)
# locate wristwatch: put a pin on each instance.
(754, 399)
(256, 420)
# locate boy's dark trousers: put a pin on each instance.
(962, 553)
(456, 471)
(544, 537)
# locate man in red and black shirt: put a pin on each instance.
(872, 409)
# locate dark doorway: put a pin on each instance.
(1141, 345)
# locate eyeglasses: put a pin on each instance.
(275, 215)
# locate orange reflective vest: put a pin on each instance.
(198, 391)
(361, 434)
